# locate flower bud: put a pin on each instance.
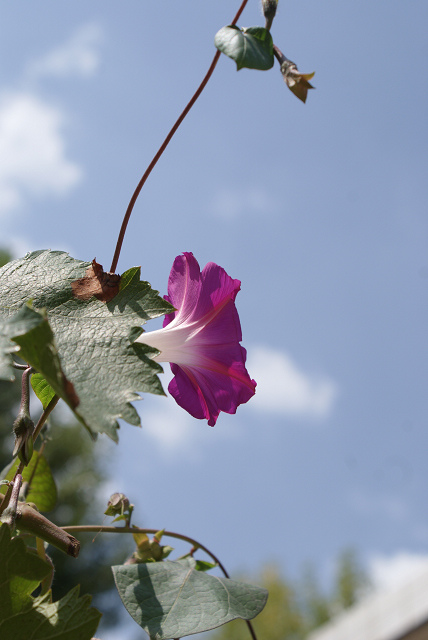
(149, 550)
(269, 11)
(23, 428)
(118, 503)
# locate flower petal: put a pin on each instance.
(184, 286)
(195, 294)
(204, 392)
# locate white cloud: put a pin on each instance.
(33, 159)
(173, 430)
(282, 387)
(390, 572)
(78, 56)
(233, 203)
(169, 426)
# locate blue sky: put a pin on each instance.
(319, 209)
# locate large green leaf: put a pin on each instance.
(251, 48)
(172, 599)
(23, 617)
(79, 333)
(42, 490)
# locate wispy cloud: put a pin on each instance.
(231, 204)
(173, 430)
(284, 388)
(33, 160)
(390, 572)
(78, 56)
(281, 388)
(169, 426)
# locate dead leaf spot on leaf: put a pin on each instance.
(96, 283)
(71, 393)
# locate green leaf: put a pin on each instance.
(251, 48)
(21, 572)
(24, 617)
(10, 325)
(172, 599)
(71, 618)
(90, 359)
(42, 389)
(203, 565)
(43, 491)
(37, 346)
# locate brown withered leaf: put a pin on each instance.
(96, 283)
(297, 82)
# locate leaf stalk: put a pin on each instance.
(46, 413)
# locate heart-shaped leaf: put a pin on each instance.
(251, 48)
(172, 599)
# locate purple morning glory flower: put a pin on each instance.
(201, 340)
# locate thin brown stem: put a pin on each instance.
(89, 528)
(6, 499)
(17, 365)
(9, 515)
(45, 415)
(163, 147)
(37, 430)
(25, 389)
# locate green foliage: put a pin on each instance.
(251, 48)
(351, 580)
(317, 605)
(21, 615)
(71, 618)
(42, 491)
(21, 572)
(149, 550)
(84, 347)
(281, 619)
(172, 599)
(295, 608)
(31, 331)
(42, 389)
(72, 458)
(5, 257)
(203, 565)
